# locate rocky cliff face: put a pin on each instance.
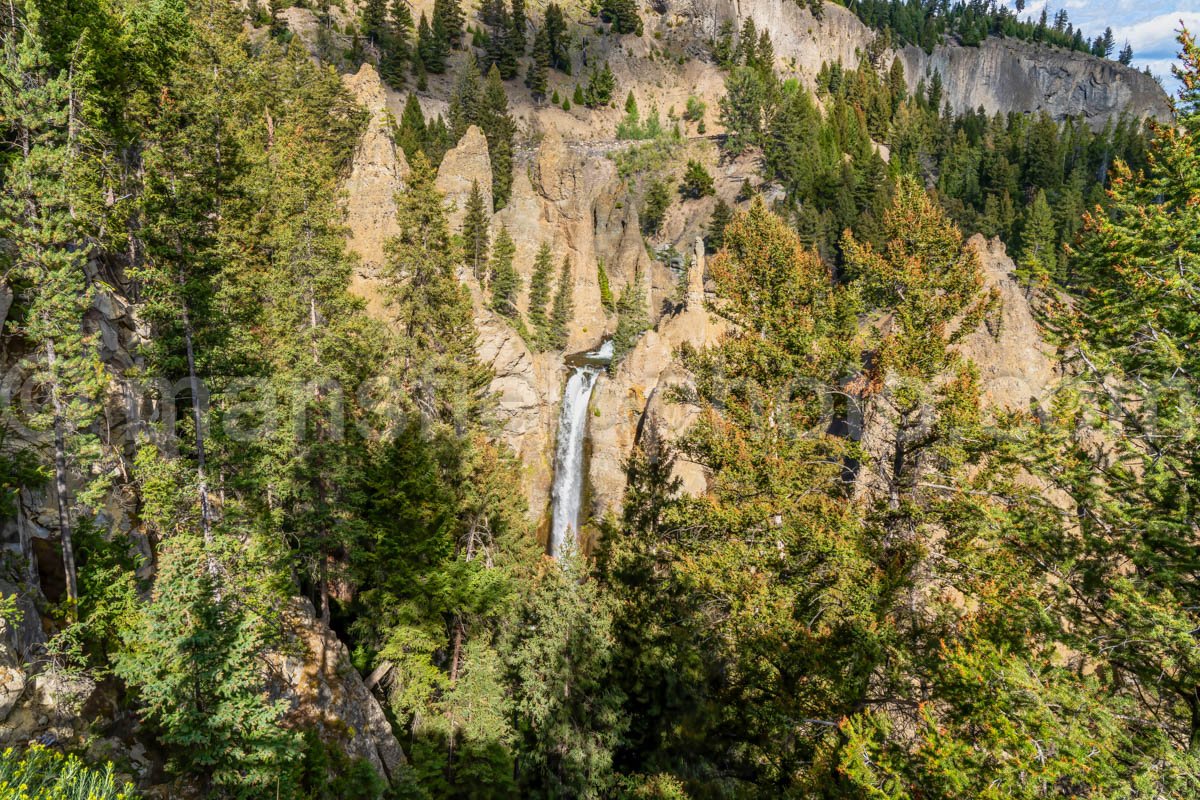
(999, 75)
(1011, 75)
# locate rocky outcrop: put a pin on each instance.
(1017, 368)
(376, 175)
(643, 385)
(1010, 75)
(999, 75)
(464, 165)
(326, 693)
(528, 388)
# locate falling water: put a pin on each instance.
(567, 493)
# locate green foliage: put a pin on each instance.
(599, 90)
(42, 774)
(623, 15)
(632, 318)
(714, 234)
(504, 281)
(697, 182)
(563, 308)
(192, 662)
(539, 296)
(475, 234)
(1038, 259)
(566, 708)
(655, 203)
(607, 301)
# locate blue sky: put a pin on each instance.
(1148, 25)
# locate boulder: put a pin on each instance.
(324, 690)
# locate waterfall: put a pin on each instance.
(567, 491)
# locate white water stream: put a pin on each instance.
(567, 491)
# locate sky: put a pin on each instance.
(1148, 25)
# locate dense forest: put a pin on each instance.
(967, 603)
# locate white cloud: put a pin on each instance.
(1155, 38)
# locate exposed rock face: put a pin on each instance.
(527, 386)
(377, 174)
(1016, 366)
(1011, 75)
(999, 75)
(642, 385)
(327, 693)
(464, 165)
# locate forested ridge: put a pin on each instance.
(216, 449)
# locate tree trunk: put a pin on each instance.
(60, 483)
(198, 421)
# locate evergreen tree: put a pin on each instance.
(632, 318)
(519, 22)
(539, 68)
(505, 282)
(714, 235)
(475, 234)
(411, 135)
(563, 309)
(499, 129)
(466, 99)
(560, 40)
(654, 207)
(623, 15)
(37, 222)
(440, 375)
(1038, 260)
(432, 46)
(1126, 56)
(599, 91)
(448, 20)
(192, 661)
(565, 704)
(697, 182)
(539, 295)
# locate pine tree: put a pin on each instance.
(466, 99)
(37, 221)
(431, 46)
(539, 295)
(564, 307)
(475, 233)
(1038, 260)
(600, 86)
(632, 318)
(505, 282)
(374, 20)
(714, 235)
(566, 706)
(436, 352)
(560, 40)
(696, 182)
(607, 301)
(539, 68)
(623, 15)
(448, 20)
(193, 663)
(1126, 56)
(410, 134)
(519, 23)
(499, 129)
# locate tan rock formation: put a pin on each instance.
(376, 175)
(999, 75)
(1016, 365)
(642, 384)
(326, 692)
(463, 165)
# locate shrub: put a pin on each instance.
(41, 774)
